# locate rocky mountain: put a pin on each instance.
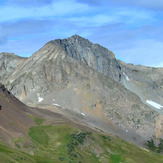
(85, 81)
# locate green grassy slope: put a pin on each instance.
(63, 143)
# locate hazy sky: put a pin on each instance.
(132, 29)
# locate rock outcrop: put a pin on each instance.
(8, 63)
(93, 55)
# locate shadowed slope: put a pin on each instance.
(14, 119)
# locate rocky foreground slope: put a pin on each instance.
(85, 81)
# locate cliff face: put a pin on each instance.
(93, 55)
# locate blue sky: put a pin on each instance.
(133, 30)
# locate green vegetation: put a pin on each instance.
(63, 143)
(116, 158)
(9, 155)
(18, 141)
(37, 120)
(106, 137)
(151, 146)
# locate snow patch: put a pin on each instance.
(40, 99)
(127, 78)
(83, 114)
(154, 104)
(56, 104)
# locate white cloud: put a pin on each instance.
(56, 9)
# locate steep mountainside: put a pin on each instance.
(37, 135)
(14, 120)
(8, 63)
(69, 74)
(146, 82)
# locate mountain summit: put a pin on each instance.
(93, 55)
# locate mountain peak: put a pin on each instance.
(80, 39)
(76, 36)
(94, 55)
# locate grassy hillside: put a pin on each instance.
(67, 144)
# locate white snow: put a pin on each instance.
(127, 78)
(83, 114)
(154, 104)
(56, 104)
(40, 99)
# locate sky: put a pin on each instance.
(133, 30)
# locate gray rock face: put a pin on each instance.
(83, 79)
(93, 55)
(8, 63)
